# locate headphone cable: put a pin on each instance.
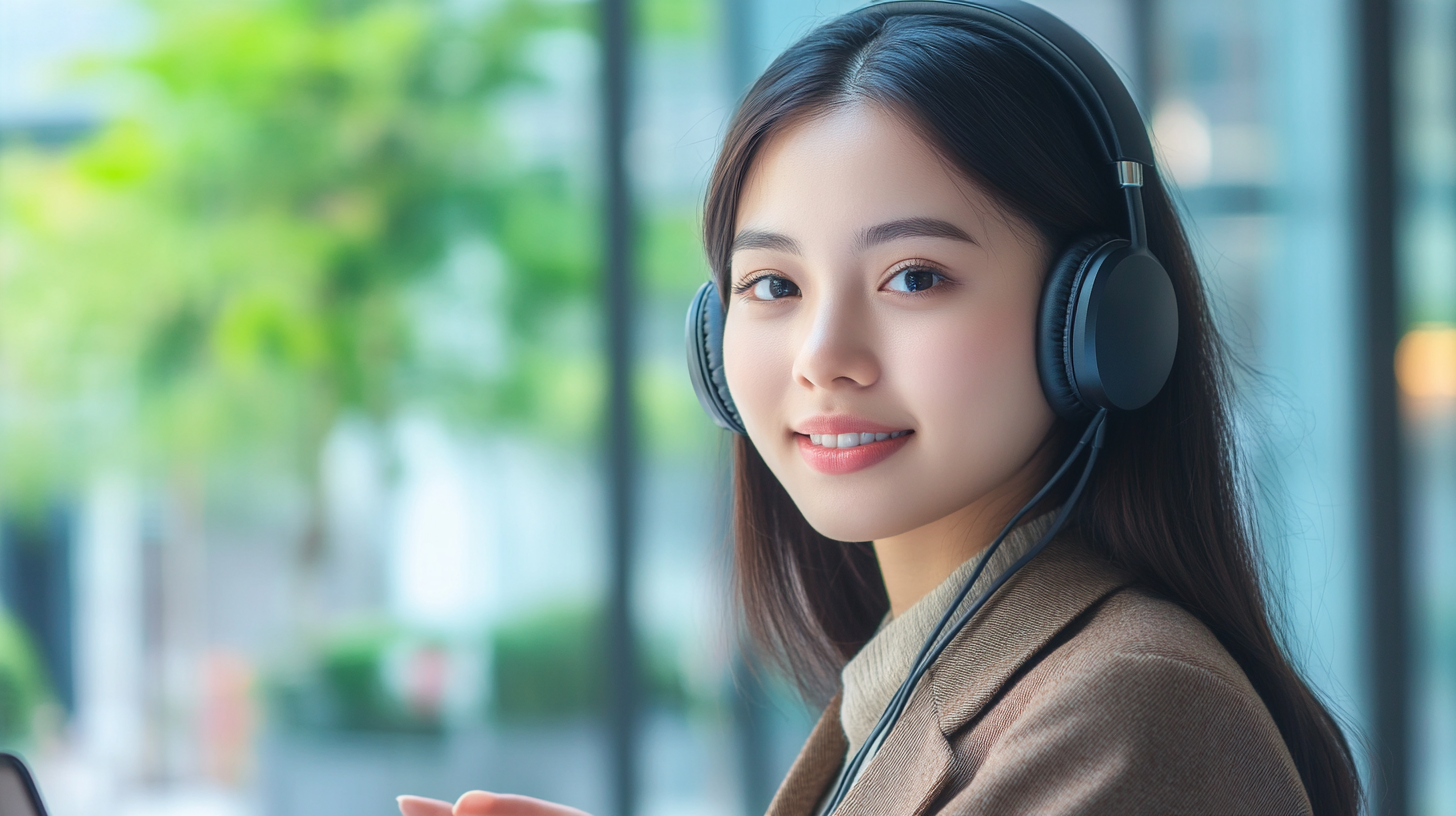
(940, 637)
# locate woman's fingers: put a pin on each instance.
(420, 806)
(481, 803)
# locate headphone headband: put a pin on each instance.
(1108, 322)
(1075, 62)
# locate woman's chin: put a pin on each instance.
(834, 523)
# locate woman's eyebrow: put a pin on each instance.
(763, 239)
(868, 237)
(910, 228)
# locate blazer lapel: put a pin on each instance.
(915, 762)
(910, 769)
(814, 769)
(914, 765)
(1051, 591)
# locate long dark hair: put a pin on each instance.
(1167, 503)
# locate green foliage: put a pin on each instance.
(676, 19)
(672, 259)
(353, 672)
(346, 687)
(551, 665)
(22, 682)
(226, 267)
(547, 665)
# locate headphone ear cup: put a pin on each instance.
(1054, 326)
(1124, 328)
(705, 358)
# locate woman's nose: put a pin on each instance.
(837, 349)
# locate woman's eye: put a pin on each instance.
(773, 287)
(914, 279)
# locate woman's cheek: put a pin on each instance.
(975, 383)
(758, 369)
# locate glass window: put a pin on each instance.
(1426, 372)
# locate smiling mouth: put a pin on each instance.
(839, 454)
(851, 440)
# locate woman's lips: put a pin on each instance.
(838, 461)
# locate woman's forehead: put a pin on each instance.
(850, 169)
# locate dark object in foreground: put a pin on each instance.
(18, 794)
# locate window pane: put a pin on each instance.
(1426, 371)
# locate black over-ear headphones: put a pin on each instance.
(1108, 324)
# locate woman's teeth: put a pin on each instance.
(850, 440)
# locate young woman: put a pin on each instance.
(893, 207)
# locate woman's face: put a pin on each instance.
(880, 341)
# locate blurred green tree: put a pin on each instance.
(547, 664)
(244, 253)
(22, 683)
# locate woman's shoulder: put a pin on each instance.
(1140, 696)
(1133, 628)
(1154, 670)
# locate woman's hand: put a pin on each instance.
(481, 803)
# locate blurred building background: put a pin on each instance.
(307, 387)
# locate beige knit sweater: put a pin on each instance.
(873, 675)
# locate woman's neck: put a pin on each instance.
(917, 561)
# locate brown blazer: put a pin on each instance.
(1069, 692)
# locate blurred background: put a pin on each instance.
(329, 471)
